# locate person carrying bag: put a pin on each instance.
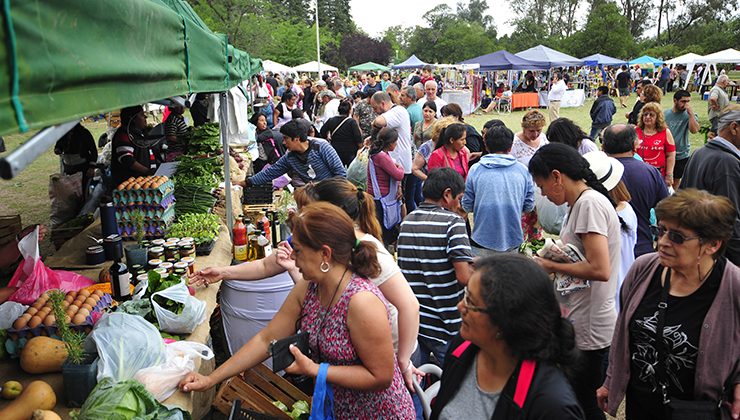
(382, 169)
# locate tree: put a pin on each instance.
(335, 15)
(637, 13)
(556, 17)
(475, 12)
(226, 16)
(606, 32)
(357, 49)
(398, 38)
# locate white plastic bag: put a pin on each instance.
(161, 380)
(193, 313)
(125, 343)
(549, 215)
(9, 312)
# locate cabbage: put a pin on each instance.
(125, 400)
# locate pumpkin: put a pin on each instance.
(43, 355)
(45, 415)
(38, 395)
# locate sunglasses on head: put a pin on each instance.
(677, 238)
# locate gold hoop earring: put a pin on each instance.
(324, 267)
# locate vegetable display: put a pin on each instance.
(38, 395)
(202, 228)
(300, 411)
(204, 139)
(157, 284)
(127, 399)
(530, 248)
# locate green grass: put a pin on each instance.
(581, 116)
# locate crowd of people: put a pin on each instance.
(420, 264)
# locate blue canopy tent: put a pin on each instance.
(504, 60)
(603, 60)
(646, 59)
(552, 58)
(411, 63)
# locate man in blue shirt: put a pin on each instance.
(665, 75)
(306, 160)
(681, 120)
(498, 190)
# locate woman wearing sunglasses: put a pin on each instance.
(688, 294)
(505, 363)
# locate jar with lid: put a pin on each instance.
(172, 252)
(156, 252)
(167, 266)
(153, 264)
(186, 248)
(190, 261)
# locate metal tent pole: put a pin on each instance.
(224, 120)
(12, 164)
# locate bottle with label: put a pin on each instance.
(266, 223)
(253, 247)
(275, 233)
(263, 245)
(120, 279)
(240, 240)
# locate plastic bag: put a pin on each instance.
(9, 312)
(357, 170)
(33, 277)
(124, 400)
(125, 343)
(193, 313)
(161, 380)
(549, 215)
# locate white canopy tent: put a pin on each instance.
(730, 55)
(275, 67)
(684, 59)
(313, 67)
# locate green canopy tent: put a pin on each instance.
(67, 60)
(369, 66)
(64, 60)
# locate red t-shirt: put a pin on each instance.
(654, 148)
(440, 158)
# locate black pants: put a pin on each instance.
(587, 378)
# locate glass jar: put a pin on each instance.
(167, 266)
(156, 252)
(190, 261)
(172, 252)
(153, 264)
(186, 248)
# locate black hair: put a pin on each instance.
(294, 129)
(644, 82)
(493, 123)
(452, 110)
(680, 94)
(565, 131)
(289, 80)
(344, 107)
(618, 139)
(296, 113)
(369, 93)
(603, 89)
(358, 95)
(288, 94)
(439, 180)
(519, 300)
(567, 160)
(128, 114)
(386, 136)
(449, 133)
(431, 105)
(256, 116)
(499, 139)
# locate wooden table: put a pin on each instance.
(72, 257)
(525, 100)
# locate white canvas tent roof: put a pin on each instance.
(313, 67)
(275, 67)
(729, 55)
(684, 59)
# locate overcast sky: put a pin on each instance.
(374, 16)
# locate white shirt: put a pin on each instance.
(331, 109)
(437, 101)
(557, 91)
(398, 118)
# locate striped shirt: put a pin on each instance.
(431, 240)
(319, 162)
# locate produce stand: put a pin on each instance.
(71, 256)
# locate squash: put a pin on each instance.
(37, 395)
(43, 355)
(45, 415)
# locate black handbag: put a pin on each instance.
(280, 350)
(677, 409)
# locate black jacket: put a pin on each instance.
(549, 397)
(716, 168)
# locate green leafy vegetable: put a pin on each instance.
(125, 400)
(202, 227)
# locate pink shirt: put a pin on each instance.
(385, 169)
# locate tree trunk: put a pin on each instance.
(660, 18)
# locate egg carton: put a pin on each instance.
(156, 213)
(154, 229)
(143, 195)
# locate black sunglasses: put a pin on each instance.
(675, 237)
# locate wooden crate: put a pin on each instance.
(10, 226)
(257, 389)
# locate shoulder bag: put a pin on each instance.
(677, 409)
(391, 205)
(331, 133)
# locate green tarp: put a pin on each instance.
(369, 66)
(69, 59)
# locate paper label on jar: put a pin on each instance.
(124, 284)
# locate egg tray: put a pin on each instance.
(159, 205)
(154, 229)
(148, 195)
(150, 212)
(17, 338)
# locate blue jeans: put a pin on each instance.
(596, 129)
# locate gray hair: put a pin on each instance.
(430, 83)
(730, 114)
(419, 86)
(410, 92)
(381, 97)
(723, 78)
(391, 87)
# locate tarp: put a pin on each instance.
(601, 59)
(729, 55)
(411, 63)
(369, 66)
(275, 67)
(685, 59)
(552, 58)
(646, 59)
(504, 60)
(313, 67)
(66, 60)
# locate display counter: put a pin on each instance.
(571, 99)
(71, 257)
(524, 100)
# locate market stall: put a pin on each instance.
(572, 98)
(523, 100)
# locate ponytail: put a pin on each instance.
(367, 220)
(364, 259)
